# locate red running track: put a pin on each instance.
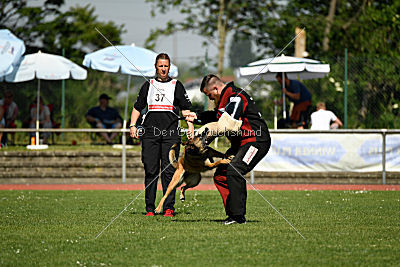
(295, 187)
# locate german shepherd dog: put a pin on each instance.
(196, 158)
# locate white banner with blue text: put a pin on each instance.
(326, 152)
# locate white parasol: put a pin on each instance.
(43, 66)
(128, 59)
(294, 67)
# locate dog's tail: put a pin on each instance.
(172, 158)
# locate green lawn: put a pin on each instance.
(58, 228)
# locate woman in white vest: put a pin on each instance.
(160, 99)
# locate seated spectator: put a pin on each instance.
(301, 98)
(10, 113)
(44, 118)
(104, 117)
(323, 119)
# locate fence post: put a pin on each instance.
(275, 114)
(123, 133)
(345, 88)
(384, 156)
(63, 102)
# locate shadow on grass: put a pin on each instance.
(208, 220)
(180, 220)
(158, 214)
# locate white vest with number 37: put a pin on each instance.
(161, 95)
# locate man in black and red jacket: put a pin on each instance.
(249, 144)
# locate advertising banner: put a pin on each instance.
(325, 152)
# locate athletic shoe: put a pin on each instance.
(169, 213)
(226, 220)
(150, 213)
(236, 219)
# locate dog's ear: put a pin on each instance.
(205, 132)
(204, 138)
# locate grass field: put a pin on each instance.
(58, 228)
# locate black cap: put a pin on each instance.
(104, 96)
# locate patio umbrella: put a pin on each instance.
(11, 50)
(128, 59)
(47, 67)
(294, 67)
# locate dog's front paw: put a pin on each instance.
(225, 161)
(230, 157)
(158, 210)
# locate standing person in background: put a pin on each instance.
(161, 98)
(323, 119)
(104, 117)
(301, 98)
(10, 113)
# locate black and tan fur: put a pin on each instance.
(196, 158)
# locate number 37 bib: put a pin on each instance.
(161, 95)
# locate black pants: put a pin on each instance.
(155, 154)
(229, 179)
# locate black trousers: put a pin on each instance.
(155, 152)
(229, 179)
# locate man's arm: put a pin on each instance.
(92, 119)
(295, 96)
(118, 117)
(91, 116)
(338, 122)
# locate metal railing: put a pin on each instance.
(382, 132)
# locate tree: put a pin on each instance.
(329, 22)
(363, 26)
(48, 29)
(24, 20)
(369, 29)
(213, 19)
(240, 52)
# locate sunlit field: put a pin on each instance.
(59, 228)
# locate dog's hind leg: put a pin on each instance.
(182, 195)
(177, 180)
(171, 156)
(192, 180)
